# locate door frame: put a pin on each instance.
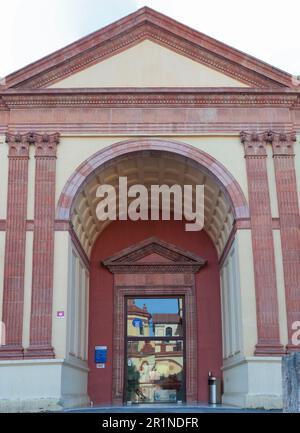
(172, 275)
(119, 353)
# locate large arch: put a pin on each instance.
(85, 171)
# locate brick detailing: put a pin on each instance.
(14, 265)
(124, 148)
(288, 206)
(263, 247)
(43, 247)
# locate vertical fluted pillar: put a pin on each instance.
(288, 208)
(15, 242)
(43, 248)
(262, 243)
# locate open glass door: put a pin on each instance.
(154, 350)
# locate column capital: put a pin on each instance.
(254, 144)
(46, 144)
(18, 144)
(282, 142)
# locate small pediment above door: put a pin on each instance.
(154, 255)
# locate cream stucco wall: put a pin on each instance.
(272, 182)
(77, 307)
(228, 150)
(2, 249)
(248, 304)
(60, 292)
(31, 183)
(231, 305)
(27, 288)
(280, 288)
(148, 64)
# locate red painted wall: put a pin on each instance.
(122, 234)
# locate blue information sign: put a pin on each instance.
(137, 323)
(100, 354)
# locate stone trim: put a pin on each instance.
(148, 97)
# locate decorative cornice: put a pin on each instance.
(254, 144)
(148, 97)
(154, 268)
(149, 24)
(153, 33)
(282, 142)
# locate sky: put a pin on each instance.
(266, 29)
(159, 305)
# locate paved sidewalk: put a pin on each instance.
(182, 408)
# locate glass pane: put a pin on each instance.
(154, 371)
(154, 317)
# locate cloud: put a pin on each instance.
(265, 29)
(31, 29)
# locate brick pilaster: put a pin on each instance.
(15, 242)
(43, 248)
(263, 247)
(288, 207)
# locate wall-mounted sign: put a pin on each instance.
(137, 323)
(100, 355)
(100, 365)
(60, 314)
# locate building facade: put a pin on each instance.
(152, 100)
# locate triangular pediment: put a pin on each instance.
(148, 64)
(173, 55)
(154, 254)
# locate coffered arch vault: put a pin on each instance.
(148, 162)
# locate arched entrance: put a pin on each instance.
(152, 162)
